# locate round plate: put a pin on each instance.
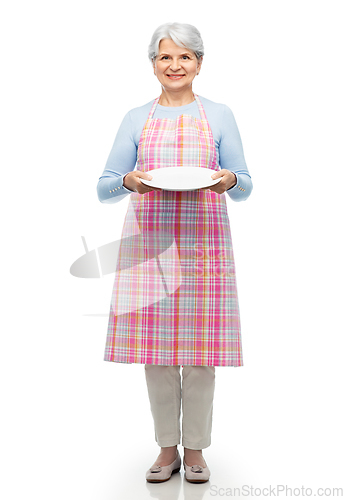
(181, 178)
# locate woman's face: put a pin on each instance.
(174, 60)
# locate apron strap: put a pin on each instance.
(200, 107)
(155, 103)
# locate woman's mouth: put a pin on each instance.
(175, 77)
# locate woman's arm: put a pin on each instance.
(121, 161)
(231, 156)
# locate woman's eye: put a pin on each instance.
(164, 57)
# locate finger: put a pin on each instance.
(144, 188)
(147, 189)
(144, 175)
(217, 174)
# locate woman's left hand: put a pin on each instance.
(228, 180)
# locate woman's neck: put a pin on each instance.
(175, 99)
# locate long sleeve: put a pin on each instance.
(121, 160)
(231, 156)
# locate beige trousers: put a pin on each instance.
(195, 395)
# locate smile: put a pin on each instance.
(175, 77)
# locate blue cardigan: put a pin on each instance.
(123, 155)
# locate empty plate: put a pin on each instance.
(181, 178)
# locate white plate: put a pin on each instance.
(181, 178)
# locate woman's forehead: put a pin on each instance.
(166, 46)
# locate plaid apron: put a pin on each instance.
(179, 305)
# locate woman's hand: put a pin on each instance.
(132, 181)
(228, 180)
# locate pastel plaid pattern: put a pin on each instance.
(180, 308)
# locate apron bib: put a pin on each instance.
(180, 307)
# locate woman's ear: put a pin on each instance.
(199, 64)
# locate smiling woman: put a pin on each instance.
(193, 320)
(176, 61)
(175, 70)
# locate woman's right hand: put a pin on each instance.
(132, 181)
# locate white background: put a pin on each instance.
(76, 427)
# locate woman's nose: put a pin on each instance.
(175, 66)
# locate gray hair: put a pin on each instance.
(183, 35)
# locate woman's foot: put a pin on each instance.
(167, 456)
(194, 457)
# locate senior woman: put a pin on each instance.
(193, 322)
